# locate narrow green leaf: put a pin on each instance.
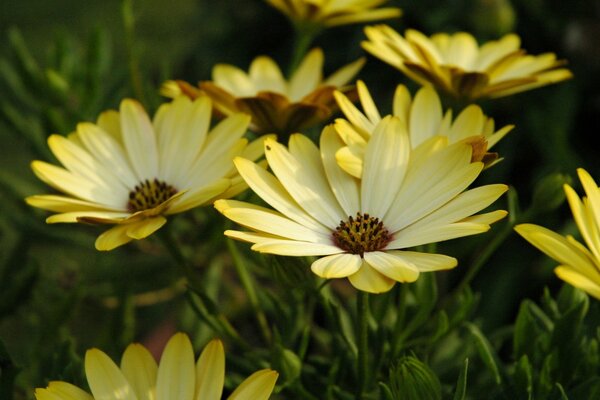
(461, 384)
(523, 378)
(485, 351)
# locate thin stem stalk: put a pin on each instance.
(362, 313)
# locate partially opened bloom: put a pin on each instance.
(457, 65)
(131, 172)
(578, 265)
(176, 377)
(422, 117)
(364, 229)
(275, 104)
(334, 12)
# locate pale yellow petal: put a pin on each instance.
(370, 280)
(61, 204)
(146, 227)
(198, 196)
(233, 80)
(74, 216)
(176, 371)
(140, 369)
(295, 248)
(432, 234)
(426, 262)
(106, 379)
(589, 284)
(308, 75)
(108, 151)
(272, 191)
(385, 164)
(210, 372)
(113, 238)
(470, 122)
(58, 390)
(394, 266)
(425, 115)
(264, 220)
(300, 180)
(344, 186)
(266, 75)
(75, 185)
(257, 386)
(139, 140)
(336, 265)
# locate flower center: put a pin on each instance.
(361, 234)
(149, 194)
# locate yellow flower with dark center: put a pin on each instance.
(578, 265)
(456, 64)
(328, 13)
(176, 377)
(364, 229)
(423, 118)
(131, 172)
(275, 104)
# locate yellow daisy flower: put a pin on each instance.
(363, 228)
(131, 172)
(579, 266)
(334, 12)
(275, 104)
(422, 117)
(457, 65)
(176, 377)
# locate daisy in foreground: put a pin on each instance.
(423, 118)
(131, 172)
(457, 65)
(363, 228)
(334, 12)
(175, 378)
(579, 266)
(275, 104)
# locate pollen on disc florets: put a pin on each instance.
(149, 194)
(361, 234)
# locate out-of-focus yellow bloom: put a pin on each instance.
(457, 65)
(275, 104)
(364, 229)
(422, 117)
(334, 12)
(579, 265)
(176, 377)
(131, 172)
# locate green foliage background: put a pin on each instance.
(63, 61)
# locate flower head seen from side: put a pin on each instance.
(327, 13)
(176, 377)
(131, 172)
(276, 105)
(422, 117)
(456, 64)
(363, 229)
(578, 265)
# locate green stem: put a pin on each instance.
(185, 266)
(247, 283)
(134, 68)
(362, 313)
(304, 36)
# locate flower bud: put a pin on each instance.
(411, 379)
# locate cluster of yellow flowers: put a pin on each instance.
(373, 189)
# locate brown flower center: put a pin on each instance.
(361, 234)
(149, 194)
